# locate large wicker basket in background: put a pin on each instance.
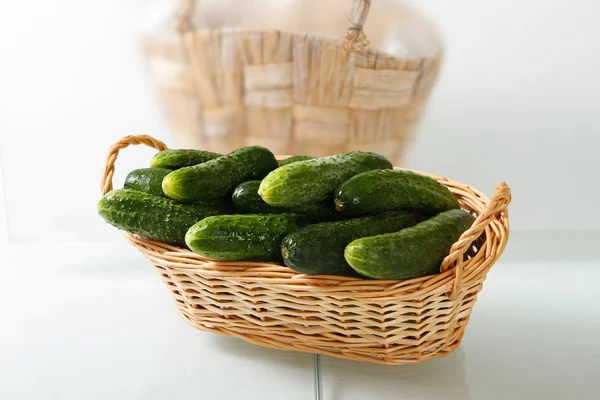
(380, 321)
(293, 92)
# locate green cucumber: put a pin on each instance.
(319, 249)
(294, 159)
(220, 176)
(410, 253)
(179, 158)
(377, 191)
(315, 180)
(247, 201)
(242, 237)
(147, 180)
(153, 217)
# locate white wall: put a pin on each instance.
(73, 82)
(518, 100)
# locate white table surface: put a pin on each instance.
(94, 321)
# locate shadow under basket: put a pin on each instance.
(379, 321)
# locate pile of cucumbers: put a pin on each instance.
(347, 214)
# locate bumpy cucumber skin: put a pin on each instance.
(147, 180)
(242, 237)
(315, 180)
(294, 159)
(219, 177)
(319, 249)
(179, 158)
(246, 200)
(377, 191)
(410, 253)
(153, 217)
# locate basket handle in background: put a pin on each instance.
(498, 203)
(355, 39)
(183, 20)
(109, 169)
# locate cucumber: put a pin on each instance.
(319, 249)
(411, 252)
(147, 180)
(315, 180)
(179, 158)
(294, 159)
(242, 237)
(247, 201)
(220, 176)
(153, 217)
(377, 191)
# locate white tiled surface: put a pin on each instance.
(95, 322)
(111, 332)
(532, 335)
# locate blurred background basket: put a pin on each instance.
(297, 76)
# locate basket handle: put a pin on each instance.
(109, 169)
(498, 203)
(183, 19)
(355, 39)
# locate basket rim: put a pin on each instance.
(333, 43)
(185, 261)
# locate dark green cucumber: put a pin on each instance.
(247, 201)
(411, 252)
(294, 159)
(242, 237)
(147, 180)
(377, 191)
(153, 217)
(315, 180)
(219, 177)
(319, 249)
(179, 158)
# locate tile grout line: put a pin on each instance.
(4, 241)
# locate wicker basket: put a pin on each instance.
(386, 322)
(294, 93)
